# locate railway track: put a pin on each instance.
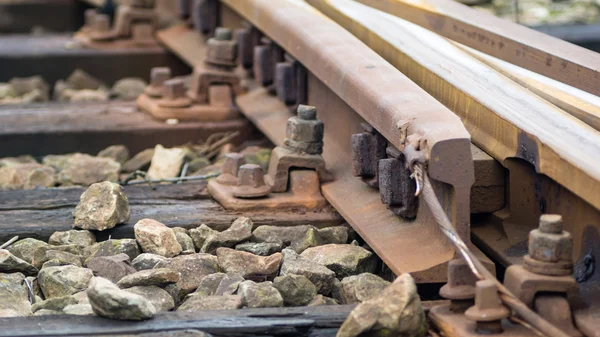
(500, 146)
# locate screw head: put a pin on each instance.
(488, 306)
(229, 169)
(461, 281)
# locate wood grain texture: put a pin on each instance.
(504, 119)
(39, 213)
(53, 57)
(500, 38)
(55, 128)
(291, 322)
(578, 103)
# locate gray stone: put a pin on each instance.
(166, 163)
(186, 242)
(319, 275)
(296, 290)
(208, 240)
(128, 88)
(113, 247)
(344, 260)
(112, 268)
(279, 233)
(56, 303)
(359, 288)
(26, 176)
(83, 169)
(65, 254)
(322, 300)
(147, 261)
(309, 238)
(102, 206)
(25, 248)
(139, 162)
(57, 161)
(151, 277)
(260, 248)
(80, 309)
(335, 234)
(58, 258)
(248, 265)
(80, 80)
(160, 299)
(201, 303)
(218, 284)
(12, 264)
(259, 295)
(63, 280)
(107, 300)
(15, 296)
(118, 153)
(192, 268)
(156, 238)
(72, 237)
(396, 311)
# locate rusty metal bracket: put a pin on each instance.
(212, 86)
(368, 147)
(294, 176)
(134, 26)
(396, 187)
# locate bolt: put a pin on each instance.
(223, 34)
(230, 168)
(551, 224)
(488, 311)
(251, 175)
(307, 112)
(460, 289)
(304, 133)
(245, 47)
(550, 248)
(175, 88)
(263, 65)
(184, 8)
(284, 82)
(101, 23)
(251, 182)
(90, 16)
(221, 50)
(158, 76)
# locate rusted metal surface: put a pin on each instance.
(361, 92)
(368, 148)
(503, 39)
(295, 173)
(21, 16)
(488, 311)
(51, 57)
(54, 128)
(460, 288)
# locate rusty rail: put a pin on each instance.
(348, 79)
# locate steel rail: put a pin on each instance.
(360, 81)
(511, 42)
(504, 119)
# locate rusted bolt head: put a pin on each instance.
(549, 243)
(221, 50)
(488, 306)
(175, 88)
(461, 281)
(251, 175)
(223, 34)
(305, 132)
(551, 223)
(89, 16)
(230, 168)
(307, 112)
(101, 23)
(158, 75)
